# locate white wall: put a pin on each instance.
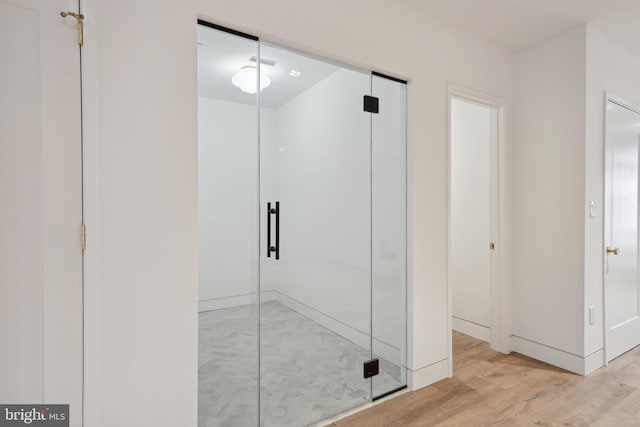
(141, 286)
(610, 68)
(558, 164)
(472, 129)
(228, 200)
(22, 214)
(141, 83)
(548, 197)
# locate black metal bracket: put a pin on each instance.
(273, 211)
(371, 368)
(371, 104)
(269, 229)
(277, 248)
(388, 393)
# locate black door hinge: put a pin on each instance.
(371, 368)
(371, 104)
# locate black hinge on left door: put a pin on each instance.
(371, 368)
(371, 104)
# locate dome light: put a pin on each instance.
(246, 79)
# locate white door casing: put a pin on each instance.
(621, 272)
(41, 208)
(500, 228)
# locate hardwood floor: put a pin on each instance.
(490, 388)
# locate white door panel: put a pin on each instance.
(40, 210)
(622, 280)
(472, 214)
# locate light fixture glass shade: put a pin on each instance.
(246, 79)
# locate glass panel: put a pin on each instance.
(389, 231)
(315, 299)
(621, 231)
(228, 221)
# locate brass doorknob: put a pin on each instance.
(612, 251)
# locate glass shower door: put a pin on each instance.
(389, 235)
(315, 278)
(302, 234)
(228, 229)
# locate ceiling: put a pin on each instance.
(221, 55)
(516, 24)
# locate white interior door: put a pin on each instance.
(41, 206)
(622, 284)
(473, 214)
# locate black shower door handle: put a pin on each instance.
(268, 229)
(276, 212)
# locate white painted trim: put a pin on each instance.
(607, 97)
(449, 287)
(594, 362)
(500, 311)
(428, 375)
(560, 358)
(384, 350)
(622, 102)
(411, 331)
(472, 329)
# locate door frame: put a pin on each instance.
(500, 298)
(91, 210)
(608, 97)
(306, 310)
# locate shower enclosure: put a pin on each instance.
(302, 234)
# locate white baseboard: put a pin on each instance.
(553, 356)
(472, 329)
(382, 349)
(594, 362)
(428, 375)
(233, 301)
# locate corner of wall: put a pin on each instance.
(611, 69)
(427, 375)
(594, 192)
(548, 193)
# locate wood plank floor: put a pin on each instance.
(490, 388)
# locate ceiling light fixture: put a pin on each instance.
(246, 79)
(294, 73)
